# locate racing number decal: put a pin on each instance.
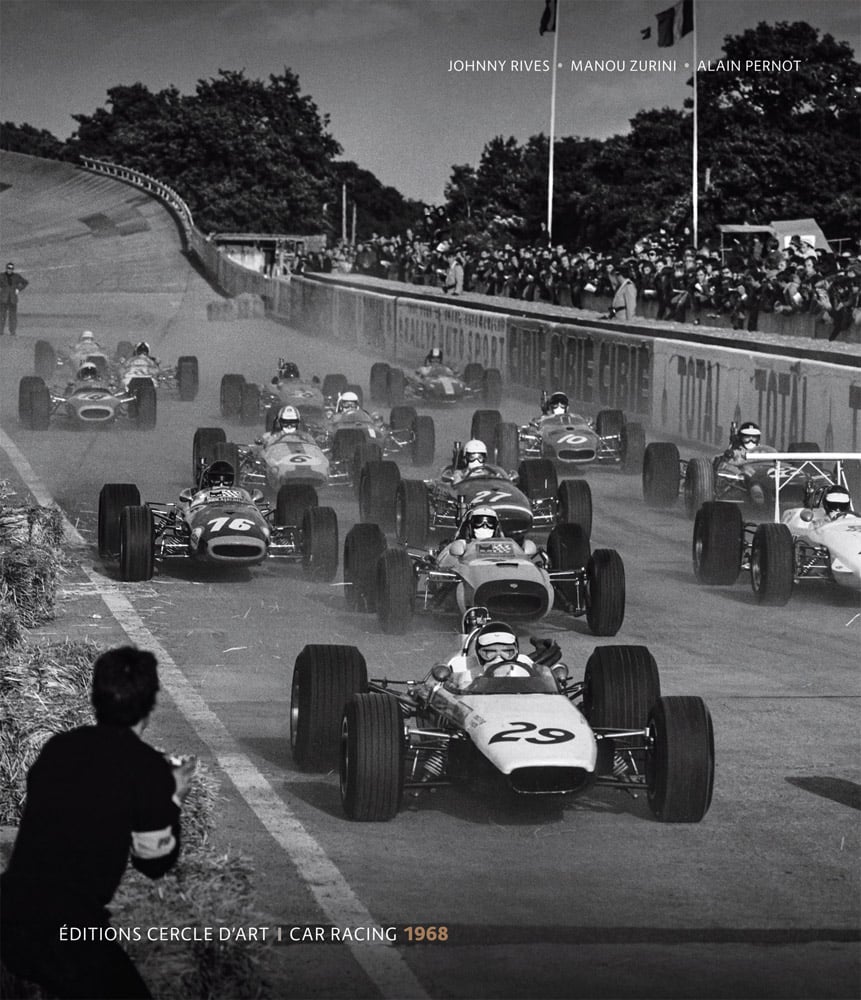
(236, 524)
(300, 459)
(489, 496)
(546, 735)
(571, 439)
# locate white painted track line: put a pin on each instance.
(381, 962)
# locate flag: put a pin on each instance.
(548, 18)
(645, 33)
(675, 22)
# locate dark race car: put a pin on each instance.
(435, 383)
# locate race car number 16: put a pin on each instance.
(236, 523)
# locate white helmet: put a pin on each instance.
(749, 436)
(347, 401)
(483, 523)
(496, 641)
(288, 418)
(475, 452)
(836, 501)
(87, 335)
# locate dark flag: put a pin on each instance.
(548, 18)
(646, 33)
(675, 22)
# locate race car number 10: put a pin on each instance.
(236, 524)
(547, 735)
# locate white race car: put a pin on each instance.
(522, 727)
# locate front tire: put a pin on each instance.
(412, 518)
(112, 499)
(396, 588)
(772, 564)
(605, 608)
(136, 544)
(372, 758)
(680, 760)
(661, 475)
(363, 546)
(718, 543)
(378, 487)
(320, 543)
(574, 499)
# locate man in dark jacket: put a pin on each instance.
(11, 284)
(96, 796)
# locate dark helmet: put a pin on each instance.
(557, 403)
(218, 474)
(496, 641)
(836, 500)
(748, 436)
(288, 369)
(434, 356)
(88, 372)
(142, 349)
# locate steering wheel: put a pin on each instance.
(510, 668)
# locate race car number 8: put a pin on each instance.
(546, 735)
(236, 524)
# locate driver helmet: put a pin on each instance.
(483, 523)
(434, 356)
(475, 453)
(88, 372)
(142, 349)
(347, 401)
(748, 436)
(218, 474)
(836, 501)
(288, 419)
(87, 335)
(288, 369)
(557, 404)
(496, 641)
(473, 618)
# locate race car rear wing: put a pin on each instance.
(806, 463)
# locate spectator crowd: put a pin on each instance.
(660, 277)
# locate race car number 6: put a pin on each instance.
(546, 735)
(237, 524)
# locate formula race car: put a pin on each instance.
(248, 401)
(516, 729)
(567, 439)
(698, 480)
(183, 378)
(85, 404)
(819, 541)
(220, 524)
(292, 459)
(435, 383)
(518, 580)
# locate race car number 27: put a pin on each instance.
(546, 735)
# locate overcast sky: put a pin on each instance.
(381, 69)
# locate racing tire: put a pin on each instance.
(345, 442)
(136, 544)
(633, 448)
(661, 475)
(537, 478)
(574, 502)
(366, 451)
(801, 446)
(291, 503)
(358, 390)
(605, 606)
(680, 760)
(324, 680)
(113, 497)
(187, 377)
(699, 485)
(144, 405)
(568, 548)
(412, 518)
(483, 428)
(772, 564)
(371, 773)
(491, 387)
(378, 381)
(395, 386)
(506, 445)
(378, 486)
(228, 451)
(473, 375)
(231, 395)
(44, 359)
(125, 349)
(852, 481)
(333, 386)
(424, 441)
(34, 403)
(249, 403)
(203, 449)
(610, 424)
(718, 543)
(363, 546)
(320, 543)
(402, 417)
(396, 590)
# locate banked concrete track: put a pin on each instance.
(591, 900)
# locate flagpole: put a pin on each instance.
(552, 128)
(695, 186)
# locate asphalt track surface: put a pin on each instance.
(592, 899)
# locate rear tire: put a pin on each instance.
(506, 446)
(680, 761)
(372, 758)
(424, 441)
(395, 386)
(537, 478)
(568, 549)
(345, 443)
(34, 403)
(610, 424)
(231, 395)
(363, 546)
(112, 499)
(574, 498)
(320, 543)
(718, 544)
(366, 451)
(473, 375)
(772, 564)
(333, 386)
(483, 428)
(378, 486)
(402, 417)
(378, 381)
(145, 405)
(801, 446)
(633, 449)
(412, 518)
(249, 404)
(699, 485)
(491, 387)
(187, 377)
(136, 544)
(45, 360)
(203, 449)
(396, 588)
(228, 451)
(605, 609)
(292, 501)
(324, 680)
(661, 463)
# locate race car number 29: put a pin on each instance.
(546, 735)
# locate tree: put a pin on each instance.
(35, 142)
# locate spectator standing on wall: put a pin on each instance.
(453, 283)
(11, 285)
(624, 305)
(96, 795)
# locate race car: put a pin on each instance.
(698, 480)
(435, 383)
(801, 544)
(183, 377)
(249, 401)
(218, 524)
(85, 404)
(567, 439)
(531, 497)
(514, 730)
(514, 579)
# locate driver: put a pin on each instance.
(287, 369)
(348, 407)
(836, 502)
(288, 423)
(746, 440)
(87, 343)
(475, 454)
(555, 405)
(140, 364)
(480, 523)
(86, 377)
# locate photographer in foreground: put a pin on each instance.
(96, 796)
